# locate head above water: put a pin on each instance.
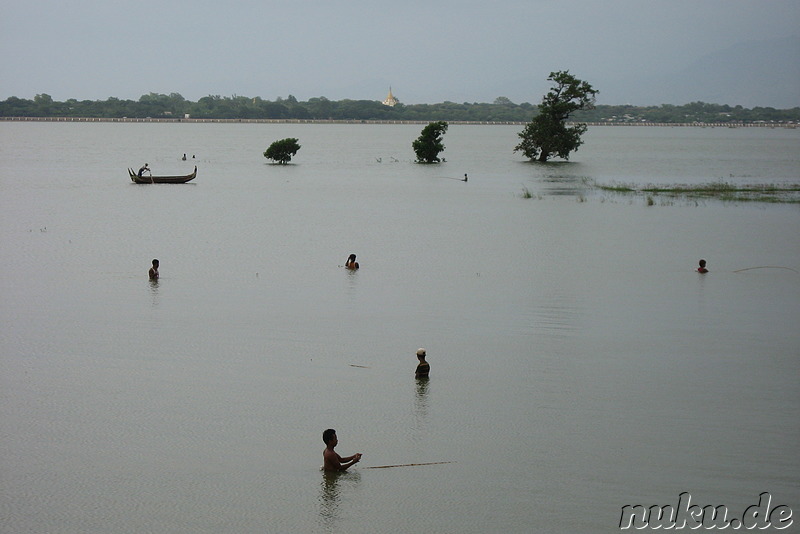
(351, 257)
(702, 263)
(155, 263)
(421, 353)
(328, 436)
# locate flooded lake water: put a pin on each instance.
(579, 364)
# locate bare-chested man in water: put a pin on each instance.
(334, 462)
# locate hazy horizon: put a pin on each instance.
(283, 98)
(735, 52)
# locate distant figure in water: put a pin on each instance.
(184, 157)
(423, 368)
(154, 271)
(334, 462)
(702, 267)
(351, 262)
(465, 177)
(143, 169)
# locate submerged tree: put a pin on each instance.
(428, 145)
(283, 150)
(547, 134)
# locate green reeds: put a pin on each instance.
(526, 193)
(789, 193)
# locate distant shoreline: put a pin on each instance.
(356, 121)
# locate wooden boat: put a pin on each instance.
(147, 179)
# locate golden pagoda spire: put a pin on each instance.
(390, 100)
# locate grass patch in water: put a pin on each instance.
(784, 194)
(526, 193)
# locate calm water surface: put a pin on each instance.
(578, 362)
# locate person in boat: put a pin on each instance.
(154, 271)
(702, 267)
(332, 461)
(144, 168)
(423, 368)
(351, 262)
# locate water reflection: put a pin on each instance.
(422, 385)
(154, 291)
(701, 301)
(561, 178)
(352, 278)
(565, 184)
(334, 489)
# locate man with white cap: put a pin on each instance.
(423, 369)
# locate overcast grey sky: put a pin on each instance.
(428, 51)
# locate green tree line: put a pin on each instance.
(175, 106)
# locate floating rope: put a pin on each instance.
(406, 465)
(766, 267)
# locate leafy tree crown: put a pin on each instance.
(282, 151)
(547, 135)
(429, 144)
